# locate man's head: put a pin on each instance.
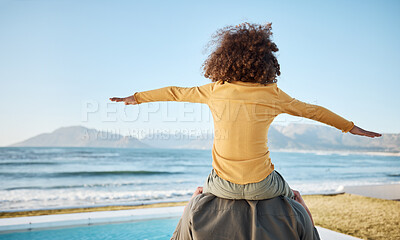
(244, 52)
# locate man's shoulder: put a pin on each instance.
(275, 206)
(206, 200)
(210, 217)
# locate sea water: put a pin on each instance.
(43, 178)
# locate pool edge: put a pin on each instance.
(17, 224)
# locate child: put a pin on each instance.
(244, 100)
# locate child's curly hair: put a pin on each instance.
(243, 53)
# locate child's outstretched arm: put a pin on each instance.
(200, 94)
(292, 106)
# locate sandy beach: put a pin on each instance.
(356, 215)
(362, 211)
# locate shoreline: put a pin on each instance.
(390, 192)
(334, 215)
(55, 211)
(339, 152)
(343, 212)
(10, 213)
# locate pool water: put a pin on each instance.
(152, 229)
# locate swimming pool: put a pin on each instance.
(150, 229)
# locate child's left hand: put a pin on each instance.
(359, 131)
(127, 100)
(199, 190)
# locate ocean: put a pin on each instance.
(46, 178)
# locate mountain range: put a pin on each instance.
(78, 136)
(293, 137)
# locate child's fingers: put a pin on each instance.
(115, 99)
(372, 134)
(375, 134)
(362, 132)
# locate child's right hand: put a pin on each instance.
(127, 100)
(359, 131)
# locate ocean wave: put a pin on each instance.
(45, 150)
(55, 198)
(113, 173)
(98, 185)
(90, 155)
(29, 199)
(85, 173)
(393, 175)
(18, 163)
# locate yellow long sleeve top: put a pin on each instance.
(242, 113)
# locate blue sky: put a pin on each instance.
(60, 61)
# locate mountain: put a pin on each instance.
(292, 137)
(78, 136)
(318, 137)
